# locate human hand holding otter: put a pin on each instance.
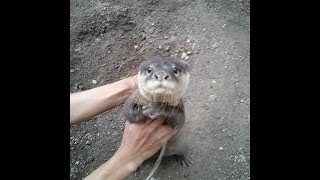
(139, 142)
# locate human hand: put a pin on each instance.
(139, 142)
(133, 82)
(142, 140)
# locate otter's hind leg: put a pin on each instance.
(184, 160)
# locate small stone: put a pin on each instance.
(113, 127)
(77, 162)
(220, 148)
(88, 142)
(152, 30)
(109, 52)
(152, 24)
(166, 37)
(183, 55)
(81, 87)
(94, 81)
(160, 47)
(188, 40)
(215, 45)
(224, 25)
(167, 48)
(187, 57)
(241, 100)
(135, 47)
(104, 8)
(71, 70)
(189, 52)
(212, 97)
(108, 133)
(143, 36)
(213, 81)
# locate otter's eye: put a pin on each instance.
(175, 71)
(149, 70)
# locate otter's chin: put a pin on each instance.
(160, 90)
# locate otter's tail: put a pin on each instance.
(156, 165)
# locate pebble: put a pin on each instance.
(94, 81)
(152, 30)
(220, 148)
(183, 55)
(80, 87)
(187, 57)
(213, 81)
(241, 100)
(135, 47)
(77, 162)
(167, 48)
(88, 142)
(212, 97)
(166, 37)
(104, 8)
(189, 52)
(71, 70)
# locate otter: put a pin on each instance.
(161, 85)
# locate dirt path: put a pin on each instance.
(108, 41)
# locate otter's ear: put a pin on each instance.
(184, 64)
(144, 64)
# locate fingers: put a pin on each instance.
(154, 124)
(165, 133)
(148, 121)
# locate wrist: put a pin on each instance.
(132, 82)
(129, 162)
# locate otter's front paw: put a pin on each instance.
(151, 111)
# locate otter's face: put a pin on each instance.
(162, 80)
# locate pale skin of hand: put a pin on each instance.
(139, 141)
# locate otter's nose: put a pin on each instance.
(161, 76)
